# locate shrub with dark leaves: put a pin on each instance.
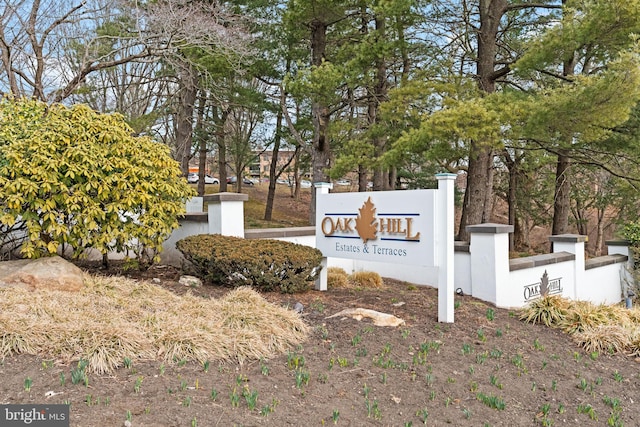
(263, 264)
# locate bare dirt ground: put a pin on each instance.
(486, 369)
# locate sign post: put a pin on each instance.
(445, 246)
(321, 280)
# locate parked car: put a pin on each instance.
(193, 178)
(302, 183)
(343, 182)
(233, 180)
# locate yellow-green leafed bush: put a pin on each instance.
(337, 278)
(366, 279)
(72, 176)
(264, 264)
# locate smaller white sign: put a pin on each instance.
(381, 226)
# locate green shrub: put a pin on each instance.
(264, 264)
(631, 232)
(73, 177)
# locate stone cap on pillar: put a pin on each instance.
(617, 243)
(328, 185)
(225, 197)
(446, 176)
(490, 228)
(568, 238)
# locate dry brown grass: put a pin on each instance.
(117, 318)
(604, 339)
(583, 315)
(634, 342)
(367, 279)
(338, 278)
(548, 310)
(597, 328)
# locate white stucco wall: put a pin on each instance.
(462, 275)
(514, 293)
(599, 284)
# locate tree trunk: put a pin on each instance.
(476, 208)
(268, 210)
(321, 155)
(478, 198)
(519, 233)
(562, 196)
(221, 143)
(376, 97)
(512, 191)
(7, 62)
(202, 143)
(562, 199)
(599, 231)
(581, 217)
(362, 178)
(184, 116)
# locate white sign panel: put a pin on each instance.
(381, 226)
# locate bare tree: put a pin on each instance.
(189, 33)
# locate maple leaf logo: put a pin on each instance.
(366, 221)
(544, 284)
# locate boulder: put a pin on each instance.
(191, 281)
(379, 319)
(52, 273)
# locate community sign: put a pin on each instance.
(381, 226)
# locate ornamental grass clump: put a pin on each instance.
(548, 310)
(114, 319)
(367, 279)
(603, 339)
(596, 328)
(583, 315)
(263, 264)
(634, 342)
(337, 278)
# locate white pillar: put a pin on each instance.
(574, 244)
(226, 213)
(445, 246)
(323, 187)
(321, 280)
(194, 205)
(621, 247)
(489, 250)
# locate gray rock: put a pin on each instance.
(190, 281)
